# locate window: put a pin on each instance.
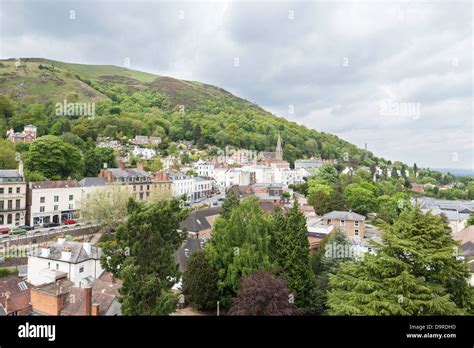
(56, 198)
(329, 221)
(71, 197)
(10, 190)
(42, 209)
(2, 191)
(10, 204)
(356, 232)
(9, 219)
(343, 223)
(134, 188)
(22, 286)
(17, 217)
(1, 219)
(56, 207)
(71, 206)
(42, 199)
(57, 266)
(17, 204)
(356, 223)
(81, 269)
(49, 264)
(1, 205)
(18, 190)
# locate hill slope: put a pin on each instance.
(129, 102)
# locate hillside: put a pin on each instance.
(129, 102)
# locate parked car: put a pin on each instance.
(26, 227)
(17, 230)
(69, 222)
(50, 224)
(4, 230)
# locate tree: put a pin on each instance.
(389, 207)
(107, 206)
(142, 257)
(360, 199)
(263, 294)
(290, 251)
(320, 198)
(7, 155)
(239, 246)
(200, 283)
(470, 221)
(413, 272)
(51, 157)
(230, 203)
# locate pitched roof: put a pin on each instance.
(93, 181)
(346, 215)
(189, 247)
(78, 253)
(53, 184)
(16, 291)
(9, 173)
(128, 172)
(196, 220)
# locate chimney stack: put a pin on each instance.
(95, 310)
(87, 299)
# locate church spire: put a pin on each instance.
(279, 150)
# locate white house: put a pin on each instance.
(77, 261)
(143, 152)
(57, 201)
(203, 168)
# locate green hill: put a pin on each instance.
(129, 102)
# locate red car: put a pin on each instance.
(4, 230)
(69, 222)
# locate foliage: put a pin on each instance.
(51, 157)
(239, 246)
(263, 294)
(413, 272)
(290, 251)
(200, 283)
(7, 155)
(148, 273)
(229, 204)
(360, 198)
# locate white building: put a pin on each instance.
(57, 201)
(74, 260)
(194, 189)
(170, 161)
(203, 168)
(143, 152)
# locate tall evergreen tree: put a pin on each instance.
(414, 272)
(142, 256)
(290, 251)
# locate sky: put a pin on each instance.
(396, 75)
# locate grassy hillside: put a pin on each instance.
(129, 102)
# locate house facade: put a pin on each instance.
(351, 223)
(12, 198)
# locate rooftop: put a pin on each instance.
(53, 184)
(197, 220)
(346, 215)
(78, 253)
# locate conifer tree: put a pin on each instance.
(290, 251)
(413, 272)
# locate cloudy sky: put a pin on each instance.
(395, 75)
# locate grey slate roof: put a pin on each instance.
(451, 215)
(78, 254)
(346, 215)
(9, 173)
(93, 181)
(129, 172)
(189, 247)
(196, 220)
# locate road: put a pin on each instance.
(39, 232)
(208, 201)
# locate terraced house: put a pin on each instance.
(12, 198)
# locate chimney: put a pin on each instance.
(66, 254)
(44, 251)
(87, 247)
(121, 164)
(95, 310)
(87, 299)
